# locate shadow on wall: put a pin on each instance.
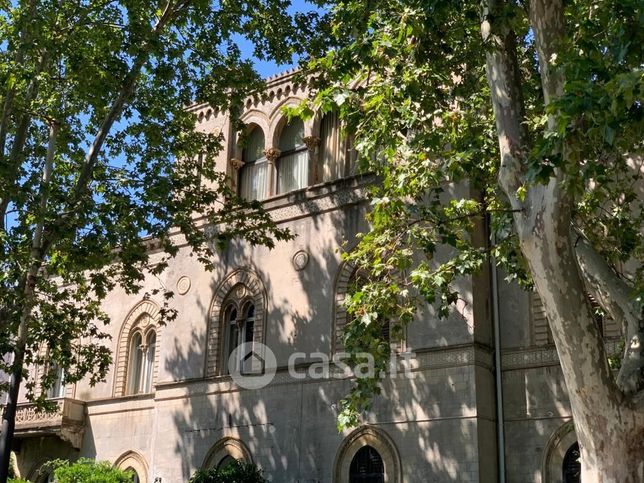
(289, 426)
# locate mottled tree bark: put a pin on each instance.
(609, 424)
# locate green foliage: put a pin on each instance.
(86, 470)
(409, 80)
(235, 472)
(104, 89)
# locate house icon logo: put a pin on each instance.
(252, 365)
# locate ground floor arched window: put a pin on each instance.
(367, 467)
(571, 467)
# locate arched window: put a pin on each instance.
(253, 174)
(367, 455)
(571, 467)
(367, 467)
(237, 315)
(134, 463)
(337, 158)
(293, 163)
(225, 452)
(142, 354)
(135, 475)
(240, 323)
(226, 461)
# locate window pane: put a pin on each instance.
(332, 155)
(254, 146)
(136, 362)
(252, 182)
(292, 135)
(149, 362)
(58, 388)
(367, 467)
(293, 171)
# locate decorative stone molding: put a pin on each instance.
(237, 164)
(67, 421)
(545, 356)
(378, 440)
(272, 154)
(145, 316)
(133, 460)
(311, 142)
(227, 446)
(329, 202)
(245, 280)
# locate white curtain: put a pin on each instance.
(253, 180)
(136, 365)
(293, 171)
(149, 363)
(332, 152)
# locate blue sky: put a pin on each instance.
(269, 68)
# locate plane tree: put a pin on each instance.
(536, 108)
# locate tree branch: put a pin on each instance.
(613, 294)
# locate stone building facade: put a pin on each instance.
(168, 406)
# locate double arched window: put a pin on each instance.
(240, 328)
(141, 363)
(253, 175)
(138, 350)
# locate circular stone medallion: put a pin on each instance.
(300, 260)
(183, 285)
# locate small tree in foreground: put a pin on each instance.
(235, 472)
(86, 470)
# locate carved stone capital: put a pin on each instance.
(311, 142)
(272, 154)
(236, 163)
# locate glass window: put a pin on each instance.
(293, 163)
(136, 364)
(226, 461)
(367, 467)
(150, 352)
(135, 476)
(239, 331)
(337, 158)
(571, 466)
(253, 174)
(57, 390)
(141, 363)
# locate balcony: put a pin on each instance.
(67, 422)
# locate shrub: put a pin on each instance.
(88, 471)
(236, 472)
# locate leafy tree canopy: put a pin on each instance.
(410, 80)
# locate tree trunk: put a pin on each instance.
(609, 427)
(28, 302)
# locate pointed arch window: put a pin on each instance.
(367, 466)
(571, 467)
(253, 174)
(293, 163)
